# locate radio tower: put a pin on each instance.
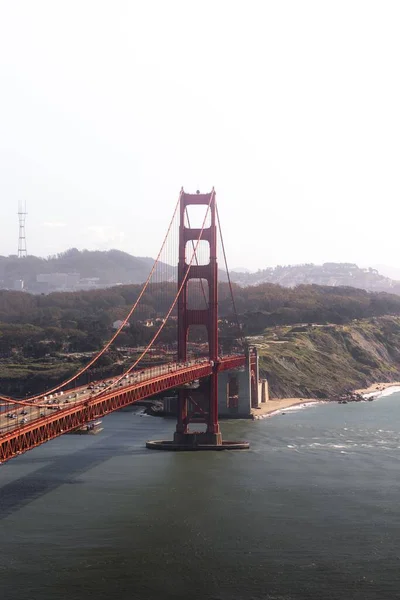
(21, 238)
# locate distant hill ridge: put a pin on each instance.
(109, 267)
(114, 266)
(331, 274)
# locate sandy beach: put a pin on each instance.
(279, 404)
(377, 387)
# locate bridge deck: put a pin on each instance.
(88, 406)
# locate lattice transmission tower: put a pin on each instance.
(22, 237)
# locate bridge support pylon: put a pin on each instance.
(184, 438)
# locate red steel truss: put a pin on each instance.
(36, 431)
(43, 429)
(207, 316)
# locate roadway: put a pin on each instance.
(44, 406)
(70, 410)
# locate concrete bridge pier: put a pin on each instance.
(240, 390)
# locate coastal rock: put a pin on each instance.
(329, 361)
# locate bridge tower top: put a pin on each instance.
(209, 272)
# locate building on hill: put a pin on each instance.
(18, 285)
(58, 281)
(117, 324)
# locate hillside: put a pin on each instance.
(332, 274)
(75, 270)
(322, 361)
(104, 268)
(258, 306)
(45, 337)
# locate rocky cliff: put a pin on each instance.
(322, 361)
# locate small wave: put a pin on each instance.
(394, 389)
(296, 407)
(330, 446)
(271, 414)
(389, 391)
(287, 409)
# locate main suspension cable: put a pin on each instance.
(229, 279)
(171, 308)
(124, 322)
(156, 335)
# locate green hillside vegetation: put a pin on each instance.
(259, 306)
(36, 325)
(323, 361)
(42, 337)
(114, 266)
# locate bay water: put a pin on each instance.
(311, 511)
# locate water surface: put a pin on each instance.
(311, 511)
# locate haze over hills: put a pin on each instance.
(388, 271)
(332, 274)
(74, 270)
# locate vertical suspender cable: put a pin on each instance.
(229, 278)
(105, 348)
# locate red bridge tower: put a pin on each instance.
(210, 439)
(207, 317)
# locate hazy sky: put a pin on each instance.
(291, 109)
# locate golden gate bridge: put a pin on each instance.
(61, 410)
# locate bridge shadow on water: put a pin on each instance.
(62, 470)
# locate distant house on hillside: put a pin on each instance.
(117, 324)
(153, 322)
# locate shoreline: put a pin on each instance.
(272, 407)
(377, 388)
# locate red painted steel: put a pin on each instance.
(41, 430)
(208, 316)
(37, 431)
(120, 328)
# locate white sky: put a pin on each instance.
(291, 109)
